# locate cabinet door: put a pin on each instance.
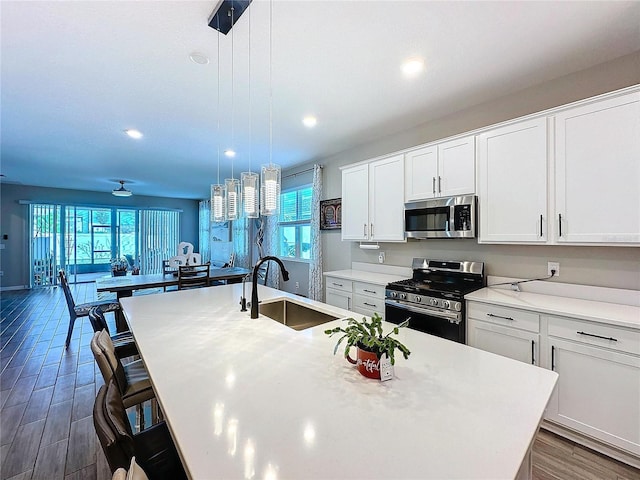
(508, 342)
(512, 183)
(338, 298)
(355, 203)
(386, 194)
(598, 393)
(598, 172)
(457, 167)
(421, 172)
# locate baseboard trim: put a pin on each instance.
(15, 287)
(592, 443)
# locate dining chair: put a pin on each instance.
(132, 379)
(123, 342)
(152, 448)
(82, 309)
(193, 276)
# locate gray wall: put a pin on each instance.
(14, 261)
(603, 266)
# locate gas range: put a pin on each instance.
(435, 293)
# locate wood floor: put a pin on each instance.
(47, 395)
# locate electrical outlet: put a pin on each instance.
(297, 285)
(553, 266)
(381, 257)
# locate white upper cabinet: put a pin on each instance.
(441, 170)
(372, 201)
(597, 174)
(512, 183)
(355, 203)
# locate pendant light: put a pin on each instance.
(218, 199)
(250, 180)
(232, 185)
(270, 174)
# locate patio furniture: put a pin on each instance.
(82, 309)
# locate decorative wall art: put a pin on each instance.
(331, 214)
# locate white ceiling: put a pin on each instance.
(75, 74)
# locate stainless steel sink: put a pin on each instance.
(294, 315)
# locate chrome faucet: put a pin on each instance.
(254, 285)
(243, 298)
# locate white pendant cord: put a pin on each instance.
(218, 116)
(249, 83)
(233, 147)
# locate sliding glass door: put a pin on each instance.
(82, 240)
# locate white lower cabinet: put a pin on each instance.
(504, 331)
(338, 292)
(361, 297)
(598, 389)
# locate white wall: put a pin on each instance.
(617, 267)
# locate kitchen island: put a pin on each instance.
(255, 399)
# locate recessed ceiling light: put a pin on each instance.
(310, 121)
(199, 58)
(413, 66)
(133, 133)
(230, 153)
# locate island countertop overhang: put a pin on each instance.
(299, 408)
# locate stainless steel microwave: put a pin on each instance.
(452, 217)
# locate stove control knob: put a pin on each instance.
(457, 306)
(418, 299)
(403, 296)
(446, 304)
(434, 302)
(394, 294)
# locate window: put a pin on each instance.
(295, 223)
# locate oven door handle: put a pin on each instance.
(452, 317)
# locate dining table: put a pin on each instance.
(124, 286)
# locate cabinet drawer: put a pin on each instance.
(369, 303)
(504, 316)
(615, 338)
(338, 298)
(368, 289)
(339, 284)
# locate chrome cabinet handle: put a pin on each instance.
(597, 336)
(500, 316)
(336, 284)
(439, 184)
(369, 304)
(372, 230)
(434, 185)
(369, 291)
(364, 230)
(553, 358)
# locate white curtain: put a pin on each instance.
(315, 265)
(159, 238)
(204, 228)
(270, 247)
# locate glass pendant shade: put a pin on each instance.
(250, 188)
(270, 189)
(218, 201)
(232, 186)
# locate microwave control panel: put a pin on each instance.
(462, 217)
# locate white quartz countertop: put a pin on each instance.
(252, 398)
(374, 278)
(597, 311)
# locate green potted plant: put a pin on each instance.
(119, 267)
(371, 343)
